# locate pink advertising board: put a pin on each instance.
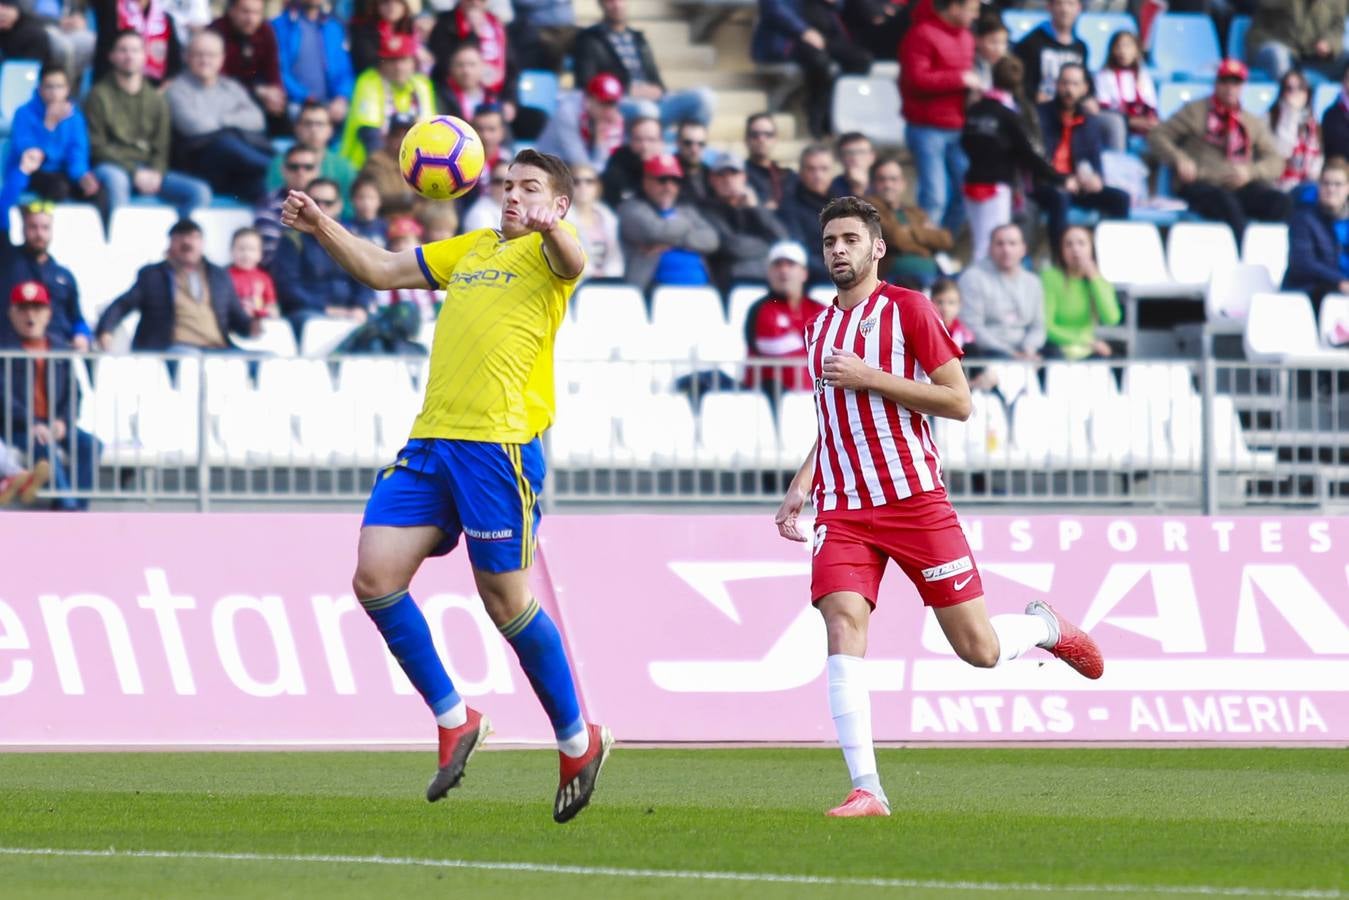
(226, 630)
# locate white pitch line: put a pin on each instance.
(684, 875)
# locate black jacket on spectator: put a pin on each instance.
(16, 393)
(800, 213)
(746, 233)
(308, 280)
(26, 40)
(998, 148)
(1335, 130)
(1088, 143)
(1041, 46)
(592, 53)
(1313, 253)
(106, 13)
(152, 297)
(18, 264)
(771, 183)
(622, 176)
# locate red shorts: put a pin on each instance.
(920, 533)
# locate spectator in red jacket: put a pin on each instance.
(251, 56)
(775, 326)
(936, 74)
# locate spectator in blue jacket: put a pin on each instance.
(1318, 238)
(309, 283)
(48, 145)
(315, 62)
(33, 262)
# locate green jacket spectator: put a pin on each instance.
(1077, 299)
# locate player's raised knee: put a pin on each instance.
(368, 582)
(979, 651)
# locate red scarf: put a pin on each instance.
(491, 41)
(1063, 153)
(153, 25)
(1226, 130)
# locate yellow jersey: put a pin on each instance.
(491, 375)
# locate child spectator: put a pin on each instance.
(1124, 87)
(1296, 132)
(49, 145)
(439, 222)
(990, 44)
(254, 286)
(365, 220)
(405, 233)
(946, 297)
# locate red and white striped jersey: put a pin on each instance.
(873, 451)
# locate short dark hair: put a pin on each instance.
(296, 150)
(941, 286)
(124, 34)
(1072, 65)
(310, 105)
(943, 5)
(247, 230)
(688, 123)
(1003, 227)
(815, 149)
(1009, 74)
(323, 182)
(52, 69)
(851, 137)
(363, 181)
(852, 208)
(559, 173)
(750, 120)
(184, 226)
(989, 22)
(885, 159)
(642, 120)
(489, 108)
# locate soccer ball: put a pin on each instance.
(441, 158)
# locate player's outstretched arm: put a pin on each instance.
(565, 255)
(367, 263)
(947, 396)
(797, 493)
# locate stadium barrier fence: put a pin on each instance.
(203, 430)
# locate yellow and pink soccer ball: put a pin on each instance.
(441, 158)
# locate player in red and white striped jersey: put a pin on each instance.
(882, 361)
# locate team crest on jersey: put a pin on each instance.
(868, 325)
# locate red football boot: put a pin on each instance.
(456, 746)
(578, 774)
(1070, 643)
(859, 804)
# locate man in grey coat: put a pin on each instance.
(220, 133)
(1002, 303)
(746, 228)
(664, 241)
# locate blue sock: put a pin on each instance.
(539, 647)
(404, 628)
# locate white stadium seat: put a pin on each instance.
(1266, 244)
(218, 225)
(1282, 328)
(292, 382)
(869, 104)
(608, 304)
(798, 427)
(321, 335)
(140, 234)
(254, 430)
(373, 376)
(1228, 297)
(166, 426)
(338, 431)
(736, 431)
(1334, 322)
(583, 434)
(682, 316)
(1045, 437)
(658, 431)
(1130, 432)
(1130, 255)
(275, 337)
(742, 297)
(396, 414)
(1195, 250)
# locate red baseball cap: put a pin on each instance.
(397, 46)
(29, 292)
(663, 165)
(1233, 68)
(605, 87)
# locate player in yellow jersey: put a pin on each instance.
(474, 462)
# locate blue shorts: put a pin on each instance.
(488, 492)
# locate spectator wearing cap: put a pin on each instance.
(129, 129)
(690, 145)
(855, 155)
(586, 127)
(41, 399)
(470, 22)
(1317, 237)
(22, 36)
(811, 34)
(1305, 34)
(315, 64)
(314, 129)
(775, 327)
(596, 225)
(32, 262)
(665, 240)
(48, 145)
(383, 169)
(394, 86)
(251, 56)
(186, 303)
(745, 229)
(800, 210)
(622, 174)
(310, 284)
(300, 167)
(152, 21)
(611, 46)
(1225, 159)
(771, 182)
(936, 74)
(221, 132)
(911, 240)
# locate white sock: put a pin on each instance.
(850, 704)
(1017, 634)
(577, 744)
(454, 716)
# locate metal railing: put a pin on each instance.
(225, 429)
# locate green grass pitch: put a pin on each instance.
(714, 823)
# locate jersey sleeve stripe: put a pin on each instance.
(426, 271)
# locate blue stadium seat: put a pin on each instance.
(18, 80)
(1185, 47)
(1236, 37)
(538, 89)
(1258, 96)
(1021, 22)
(1324, 98)
(1096, 29)
(1172, 95)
